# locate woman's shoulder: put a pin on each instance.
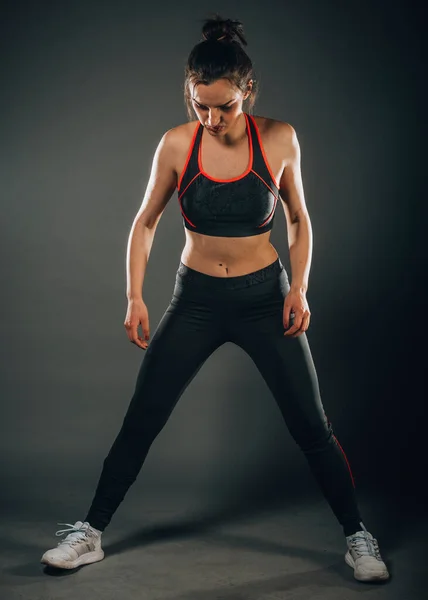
(180, 134)
(271, 126)
(183, 128)
(274, 133)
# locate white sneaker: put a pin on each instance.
(82, 546)
(364, 556)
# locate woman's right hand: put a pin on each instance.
(137, 314)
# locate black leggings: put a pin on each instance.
(204, 313)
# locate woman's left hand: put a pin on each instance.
(295, 302)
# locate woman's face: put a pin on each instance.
(217, 105)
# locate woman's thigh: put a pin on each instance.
(185, 337)
(285, 363)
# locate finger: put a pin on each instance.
(140, 343)
(290, 332)
(146, 333)
(304, 326)
(296, 328)
(286, 319)
(146, 329)
(129, 329)
(132, 332)
(294, 325)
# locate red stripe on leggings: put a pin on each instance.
(349, 467)
(344, 455)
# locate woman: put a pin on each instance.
(230, 169)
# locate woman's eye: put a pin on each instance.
(222, 108)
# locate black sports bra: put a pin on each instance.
(238, 207)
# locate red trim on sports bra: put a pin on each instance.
(270, 216)
(263, 151)
(250, 162)
(179, 201)
(188, 220)
(275, 196)
(268, 186)
(190, 182)
(189, 154)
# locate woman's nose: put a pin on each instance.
(213, 119)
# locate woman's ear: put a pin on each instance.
(249, 89)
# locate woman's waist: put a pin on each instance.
(228, 258)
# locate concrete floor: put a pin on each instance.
(153, 552)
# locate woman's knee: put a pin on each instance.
(313, 441)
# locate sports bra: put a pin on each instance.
(238, 207)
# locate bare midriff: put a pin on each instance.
(227, 256)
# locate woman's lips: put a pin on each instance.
(215, 129)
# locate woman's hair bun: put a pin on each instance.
(227, 29)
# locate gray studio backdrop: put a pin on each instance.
(90, 89)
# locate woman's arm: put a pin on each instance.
(299, 229)
(161, 186)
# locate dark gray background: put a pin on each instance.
(87, 92)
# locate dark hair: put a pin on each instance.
(215, 58)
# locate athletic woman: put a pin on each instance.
(231, 170)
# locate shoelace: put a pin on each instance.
(77, 534)
(363, 544)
